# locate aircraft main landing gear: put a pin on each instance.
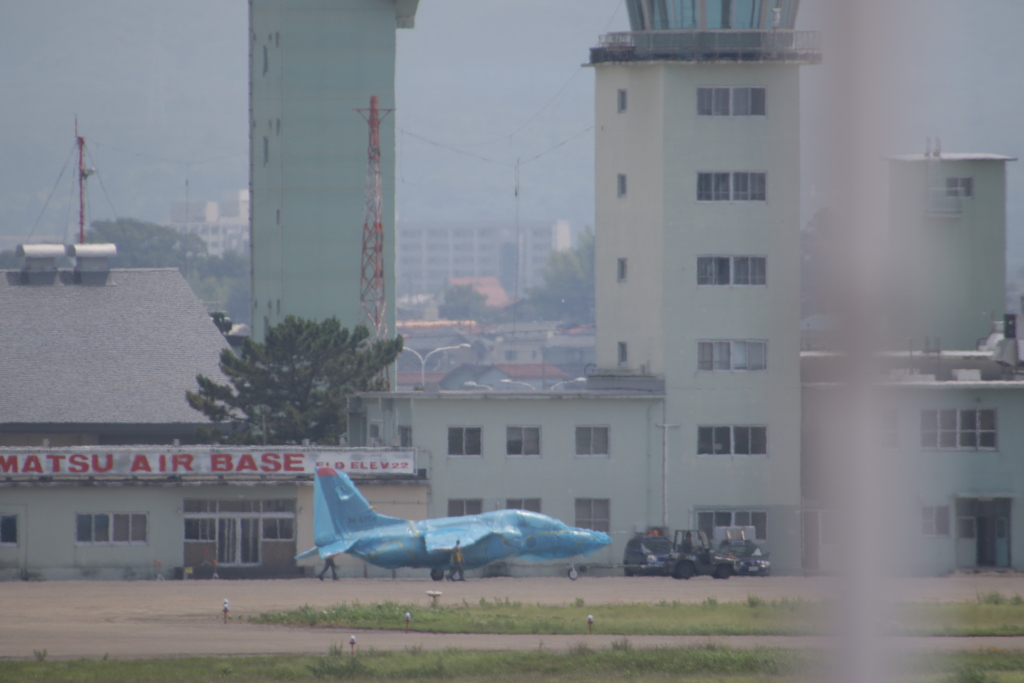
(573, 574)
(437, 574)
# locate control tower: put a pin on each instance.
(698, 246)
(312, 64)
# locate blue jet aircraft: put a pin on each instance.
(344, 522)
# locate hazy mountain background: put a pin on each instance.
(160, 90)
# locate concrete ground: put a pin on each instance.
(178, 618)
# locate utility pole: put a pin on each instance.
(82, 175)
(664, 473)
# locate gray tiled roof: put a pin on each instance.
(120, 353)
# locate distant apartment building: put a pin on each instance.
(431, 252)
(224, 225)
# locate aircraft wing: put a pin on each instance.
(469, 533)
(335, 548)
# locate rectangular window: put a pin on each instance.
(620, 272)
(935, 520)
(592, 440)
(721, 187)
(744, 355)
(278, 529)
(623, 354)
(522, 440)
(744, 101)
(739, 186)
(708, 520)
(464, 440)
(621, 101)
(459, 507)
(968, 429)
(201, 529)
(732, 270)
(959, 187)
(100, 528)
(732, 440)
(705, 192)
(621, 185)
(593, 513)
(8, 530)
(405, 436)
(531, 504)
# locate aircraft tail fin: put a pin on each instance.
(339, 508)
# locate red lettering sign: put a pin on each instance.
(78, 463)
(220, 462)
(182, 460)
(246, 463)
(9, 464)
(108, 466)
(55, 461)
(140, 463)
(293, 462)
(271, 462)
(32, 464)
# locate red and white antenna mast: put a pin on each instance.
(372, 298)
(82, 175)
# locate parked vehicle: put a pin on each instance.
(647, 555)
(693, 555)
(748, 558)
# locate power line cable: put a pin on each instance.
(49, 196)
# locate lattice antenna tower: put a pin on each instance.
(371, 288)
(371, 285)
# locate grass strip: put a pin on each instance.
(582, 663)
(786, 617)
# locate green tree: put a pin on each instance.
(293, 385)
(462, 302)
(148, 245)
(568, 290)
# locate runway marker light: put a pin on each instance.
(225, 610)
(590, 624)
(352, 644)
(408, 618)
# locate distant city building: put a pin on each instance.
(429, 253)
(224, 225)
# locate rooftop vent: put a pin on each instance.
(92, 262)
(40, 262)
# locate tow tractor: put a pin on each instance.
(693, 555)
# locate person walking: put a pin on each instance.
(329, 564)
(457, 562)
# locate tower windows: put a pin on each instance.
(731, 101)
(620, 187)
(959, 187)
(732, 440)
(621, 101)
(623, 354)
(743, 355)
(732, 270)
(737, 186)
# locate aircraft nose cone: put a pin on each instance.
(595, 540)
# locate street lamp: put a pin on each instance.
(423, 359)
(568, 381)
(512, 381)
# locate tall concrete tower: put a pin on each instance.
(312, 64)
(947, 224)
(698, 247)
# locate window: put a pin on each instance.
(935, 520)
(620, 272)
(621, 100)
(746, 355)
(522, 440)
(731, 101)
(405, 436)
(464, 440)
(531, 504)
(459, 507)
(621, 185)
(201, 529)
(266, 61)
(708, 520)
(959, 187)
(266, 150)
(738, 186)
(111, 528)
(592, 440)
(951, 429)
(278, 529)
(8, 530)
(732, 270)
(623, 355)
(593, 513)
(732, 440)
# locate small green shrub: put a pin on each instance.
(579, 602)
(710, 601)
(755, 601)
(40, 655)
(992, 598)
(622, 645)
